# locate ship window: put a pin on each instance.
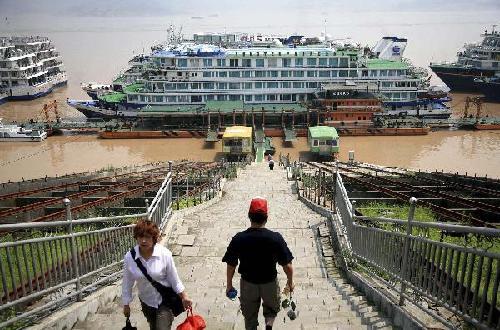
(299, 61)
(324, 74)
(315, 143)
(234, 74)
(222, 74)
(344, 62)
(322, 143)
(247, 74)
(248, 98)
(323, 62)
(260, 74)
(207, 62)
(312, 73)
(271, 97)
(285, 84)
(494, 64)
(207, 74)
(272, 62)
(334, 62)
(272, 74)
(272, 85)
(246, 62)
(286, 97)
(287, 62)
(222, 85)
(311, 61)
(221, 62)
(208, 85)
(298, 73)
(234, 97)
(196, 98)
(182, 62)
(335, 73)
(343, 73)
(259, 62)
(298, 85)
(259, 84)
(234, 85)
(259, 97)
(353, 73)
(334, 143)
(285, 74)
(233, 62)
(248, 85)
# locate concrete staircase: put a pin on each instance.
(324, 300)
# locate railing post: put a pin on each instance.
(169, 200)
(147, 208)
(74, 254)
(411, 214)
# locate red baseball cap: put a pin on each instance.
(258, 205)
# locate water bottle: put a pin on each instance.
(232, 294)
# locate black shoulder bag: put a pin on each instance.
(168, 295)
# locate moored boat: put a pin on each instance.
(479, 60)
(14, 133)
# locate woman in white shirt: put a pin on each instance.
(159, 264)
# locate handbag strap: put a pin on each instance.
(158, 286)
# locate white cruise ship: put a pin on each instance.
(30, 67)
(192, 74)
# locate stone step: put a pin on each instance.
(324, 299)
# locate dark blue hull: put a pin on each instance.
(490, 90)
(461, 79)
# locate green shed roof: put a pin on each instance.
(223, 106)
(376, 63)
(323, 132)
(169, 108)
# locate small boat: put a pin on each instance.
(14, 133)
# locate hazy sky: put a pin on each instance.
(215, 7)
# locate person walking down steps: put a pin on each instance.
(270, 162)
(151, 265)
(258, 249)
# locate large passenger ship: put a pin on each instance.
(30, 67)
(479, 60)
(187, 73)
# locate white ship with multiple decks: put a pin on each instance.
(30, 67)
(193, 74)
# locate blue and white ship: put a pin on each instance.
(188, 73)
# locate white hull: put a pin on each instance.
(30, 92)
(24, 139)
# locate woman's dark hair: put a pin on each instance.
(259, 218)
(145, 227)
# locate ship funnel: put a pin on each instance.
(390, 48)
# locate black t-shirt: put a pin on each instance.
(258, 250)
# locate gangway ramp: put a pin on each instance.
(290, 134)
(212, 136)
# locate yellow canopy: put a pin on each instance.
(237, 132)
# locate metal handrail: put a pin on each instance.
(445, 273)
(68, 260)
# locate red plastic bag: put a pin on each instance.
(193, 322)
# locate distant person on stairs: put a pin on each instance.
(258, 250)
(270, 162)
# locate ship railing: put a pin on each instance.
(451, 266)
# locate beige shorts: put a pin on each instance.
(251, 296)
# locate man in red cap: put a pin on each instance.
(258, 250)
